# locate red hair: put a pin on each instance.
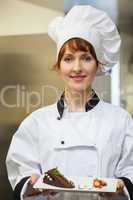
(75, 44)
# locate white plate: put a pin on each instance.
(82, 184)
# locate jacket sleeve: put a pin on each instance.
(23, 158)
(125, 165)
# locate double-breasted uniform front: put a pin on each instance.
(94, 143)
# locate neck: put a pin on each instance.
(76, 100)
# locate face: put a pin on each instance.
(78, 69)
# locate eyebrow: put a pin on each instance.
(68, 54)
(83, 54)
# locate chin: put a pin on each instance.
(78, 89)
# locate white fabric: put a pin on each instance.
(98, 142)
(93, 25)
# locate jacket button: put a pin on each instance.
(62, 142)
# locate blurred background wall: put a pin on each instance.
(27, 54)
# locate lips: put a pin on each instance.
(78, 77)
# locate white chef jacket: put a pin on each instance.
(94, 143)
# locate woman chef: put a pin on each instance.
(80, 134)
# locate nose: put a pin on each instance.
(77, 66)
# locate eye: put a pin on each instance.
(67, 59)
(87, 58)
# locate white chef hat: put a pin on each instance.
(92, 25)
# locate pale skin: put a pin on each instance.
(72, 66)
(78, 70)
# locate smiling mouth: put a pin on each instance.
(78, 77)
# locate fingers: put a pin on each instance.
(30, 191)
(120, 184)
(120, 187)
(119, 190)
(33, 192)
(34, 178)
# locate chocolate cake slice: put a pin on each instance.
(55, 178)
(30, 191)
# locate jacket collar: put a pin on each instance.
(90, 104)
